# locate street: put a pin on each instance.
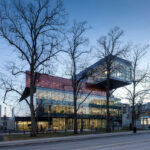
(126, 142)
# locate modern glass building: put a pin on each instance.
(54, 100)
(120, 74)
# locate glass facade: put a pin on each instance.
(120, 70)
(54, 98)
(58, 105)
(145, 121)
(22, 125)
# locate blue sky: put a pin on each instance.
(130, 15)
(133, 16)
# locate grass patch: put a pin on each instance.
(26, 136)
(46, 135)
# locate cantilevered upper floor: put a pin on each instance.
(96, 74)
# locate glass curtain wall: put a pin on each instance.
(61, 102)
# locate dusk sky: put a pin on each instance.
(130, 15)
(133, 16)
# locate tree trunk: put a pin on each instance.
(75, 116)
(32, 88)
(108, 112)
(33, 122)
(75, 123)
(133, 117)
(133, 108)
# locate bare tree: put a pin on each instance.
(33, 30)
(76, 44)
(138, 90)
(109, 48)
(12, 90)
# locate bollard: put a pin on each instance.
(134, 130)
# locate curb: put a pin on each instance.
(64, 139)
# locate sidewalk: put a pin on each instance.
(68, 138)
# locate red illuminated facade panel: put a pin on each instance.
(58, 83)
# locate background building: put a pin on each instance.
(145, 115)
(126, 116)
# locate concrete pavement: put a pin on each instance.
(67, 138)
(138, 141)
